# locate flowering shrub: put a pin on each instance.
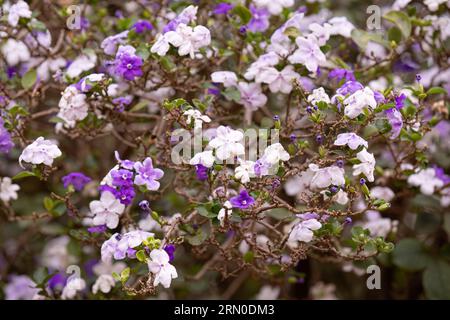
(246, 149)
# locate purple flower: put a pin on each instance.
(243, 200)
(440, 174)
(395, 120)
(145, 206)
(223, 8)
(261, 167)
(97, 229)
(58, 281)
(400, 101)
(142, 26)
(340, 74)
(349, 87)
(379, 98)
(11, 72)
(260, 19)
(77, 179)
(171, 26)
(127, 164)
(121, 103)
(147, 175)
(202, 172)
(125, 195)
(122, 177)
(128, 66)
(170, 249)
(6, 143)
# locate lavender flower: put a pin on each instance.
(243, 200)
(260, 19)
(201, 171)
(97, 229)
(340, 74)
(395, 120)
(6, 143)
(121, 103)
(77, 179)
(147, 175)
(223, 8)
(400, 101)
(142, 26)
(170, 249)
(349, 87)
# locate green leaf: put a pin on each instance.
(143, 52)
(410, 254)
(243, 13)
(29, 79)
(362, 38)
(24, 174)
(401, 20)
(125, 274)
(205, 212)
(48, 204)
(394, 34)
(232, 93)
(436, 280)
(140, 255)
(436, 90)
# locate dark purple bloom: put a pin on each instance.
(222, 8)
(260, 19)
(121, 103)
(293, 137)
(340, 163)
(418, 77)
(129, 66)
(349, 87)
(170, 249)
(57, 281)
(6, 143)
(11, 72)
(243, 29)
(125, 195)
(440, 174)
(340, 74)
(202, 172)
(214, 91)
(319, 139)
(122, 177)
(362, 181)
(144, 205)
(142, 26)
(243, 200)
(334, 189)
(171, 26)
(77, 179)
(348, 220)
(97, 229)
(400, 101)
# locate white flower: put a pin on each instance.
(161, 46)
(8, 191)
(83, 63)
(355, 103)
(341, 26)
(367, 165)
(427, 181)
(204, 158)
(278, 81)
(226, 211)
(274, 6)
(251, 95)
(433, 5)
(268, 293)
(49, 67)
(197, 116)
(351, 139)
(324, 177)
(56, 256)
(107, 210)
(318, 95)
(379, 226)
(15, 52)
(308, 53)
(322, 33)
(72, 106)
(227, 143)
(244, 171)
(17, 11)
(266, 60)
(41, 151)
(72, 287)
(159, 265)
(228, 78)
(341, 197)
(303, 231)
(188, 40)
(384, 193)
(104, 283)
(275, 153)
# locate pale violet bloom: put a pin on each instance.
(188, 40)
(159, 265)
(107, 211)
(308, 53)
(384, 193)
(109, 44)
(275, 153)
(325, 177)
(251, 95)
(228, 78)
(21, 288)
(15, 52)
(146, 175)
(104, 283)
(244, 171)
(120, 246)
(367, 165)
(275, 7)
(278, 81)
(355, 103)
(340, 26)
(226, 211)
(73, 286)
(41, 151)
(205, 158)
(196, 116)
(322, 33)
(227, 143)
(17, 11)
(341, 197)
(379, 226)
(8, 190)
(303, 231)
(318, 95)
(427, 180)
(351, 139)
